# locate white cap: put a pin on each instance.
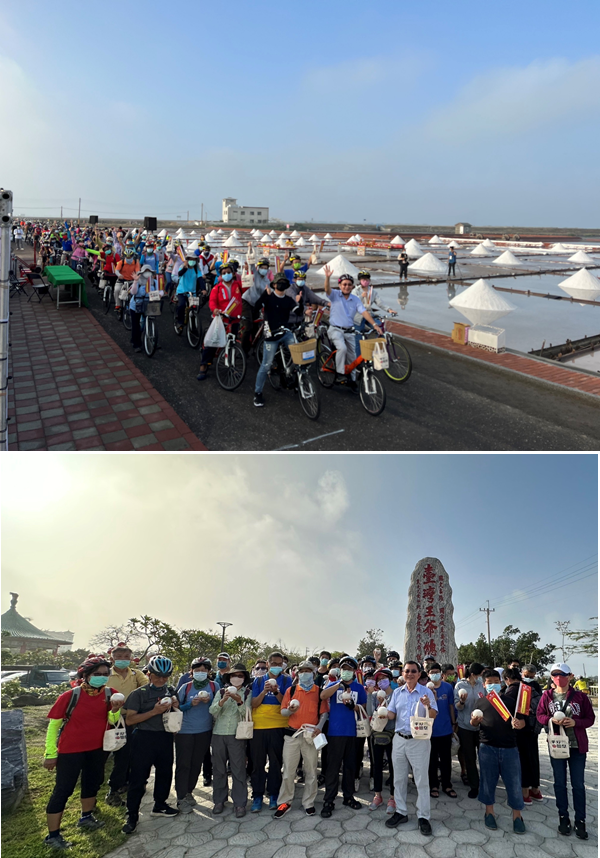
(564, 668)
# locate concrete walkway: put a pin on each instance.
(458, 829)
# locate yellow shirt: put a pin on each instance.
(133, 679)
(581, 685)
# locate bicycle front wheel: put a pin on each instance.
(107, 298)
(308, 394)
(194, 330)
(150, 336)
(400, 366)
(231, 366)
(372, 393)
(126, 318)
(325, 364)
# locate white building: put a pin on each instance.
(232, 213)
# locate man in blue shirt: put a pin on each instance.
(344, 306)
(343, 696)
(408, 700)
(441, 736)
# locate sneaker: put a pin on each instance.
(490, 822)
(207, 782)
(259, 400)
(528, 801)
(56, 842)
(425, 827)
(352, 803)
(536, 796)
(189, 797)
(518, 825)
(240, 812)
(90, 823)
(340, 378)
(396, 819)
(300, 778)
(580, 829)
(164, 810)
(377, 802)
(184, 806)
(564, 825)
(391, 805)
(273, 802)
(282, 810)
(321, 780)
(113, 799)
(310, 811)
(130, 825)
(257, 804)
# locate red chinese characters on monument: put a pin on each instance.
(429, 639)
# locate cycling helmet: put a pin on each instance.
(384, 671)
(92, 663)
(300, 275)
(160, 665)
(346, 277)
(226, 266)
(351, 662)
(206, 248)
(393, 654)
(368, 659)
(294, 257)
(364, 274)
(201, 662)
(263, 263)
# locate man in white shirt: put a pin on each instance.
(408, 700)
(19, 236)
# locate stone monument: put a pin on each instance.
(430, 614)
(14, 759)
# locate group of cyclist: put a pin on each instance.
(265, 310)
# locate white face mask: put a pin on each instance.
(237, 681)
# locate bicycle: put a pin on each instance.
(107, 293)
(230, 361)
(192, 323)
(290, 369)
(123, 311)
(371, 390)
(149, 330)
(400, 361)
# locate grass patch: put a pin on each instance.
(25, 828)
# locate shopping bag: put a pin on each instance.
(558, 744)
(455, 746)
(115, 737)
(420, 727)
(320, 741)
(363, 728)
(381, 358)
(173, 720)
(124, 293)
(215, 337)
(245, 728)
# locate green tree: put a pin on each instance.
(585, 641)
(512, 643)
(246, 650)
(373, 639)
(478, 651)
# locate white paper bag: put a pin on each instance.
(320, 741)
(173, 720)
(381, 358)
(215, 336)
(558, 744)
(115, 738)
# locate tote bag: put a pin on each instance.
(173, 720)
(558, 744)
(420, 728)
(215, 336)
(115, 738)
(245, 728)
(363, 728)
(381, 358)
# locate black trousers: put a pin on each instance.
(404, 270)
(378, 754)
(249, 315)
(529, 754)
(90, 764)
(469, 742)
(136, 331)
(451, 268)
(359, 750)
(121, 761)
(207, 765)
(149, 748)
(190, 750)
(267, 744)
(342, 755)
(441, 756)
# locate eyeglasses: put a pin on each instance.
(559, 674)
(411, 671)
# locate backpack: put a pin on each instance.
(188, 685)
(74, 699)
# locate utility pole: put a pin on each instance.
(202, 214)
(61, 212)
(79, 212)
(188, 215)
(224, 626)
(489, 611)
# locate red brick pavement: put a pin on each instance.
(555, 373)
(73, 388)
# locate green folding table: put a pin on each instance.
(63, 275)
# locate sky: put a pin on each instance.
(424, 113)
(312, 550)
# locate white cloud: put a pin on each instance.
(333, 496)
(512, 101)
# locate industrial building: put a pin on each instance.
(242, 215)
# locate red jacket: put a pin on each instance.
(581, 712)
(222, 294)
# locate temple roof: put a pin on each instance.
(17, 626)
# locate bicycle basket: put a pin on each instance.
(303, 352)
(367, 346)
(193, 301)
(153, 308)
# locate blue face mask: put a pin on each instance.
(395, 673)
(306, 680)
(275, 670)
(200, 675)
(191, 262)
(264, 272)
(435, 677)
(221, 665)
(227, 277)
(324, 662)
(98, 681)
(495, 687)
(121, 663)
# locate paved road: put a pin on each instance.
(449, 403)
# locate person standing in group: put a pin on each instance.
(498, 754)
(451, 262)
(78, 721)
(223, 664)
(19, 237)
(189, 280)
(528, 675)
(467, 696)
(278, 307)
(192, 742)
(344, 695)
(262, 277)
(226, 295)
(124, 679)
(408, 752)
(269, 731)
(302, 704)
(527, 740)
(579, 716)
(152, 745)
(228, 708)
(441, 737)
(403, 261)
(380, 742)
